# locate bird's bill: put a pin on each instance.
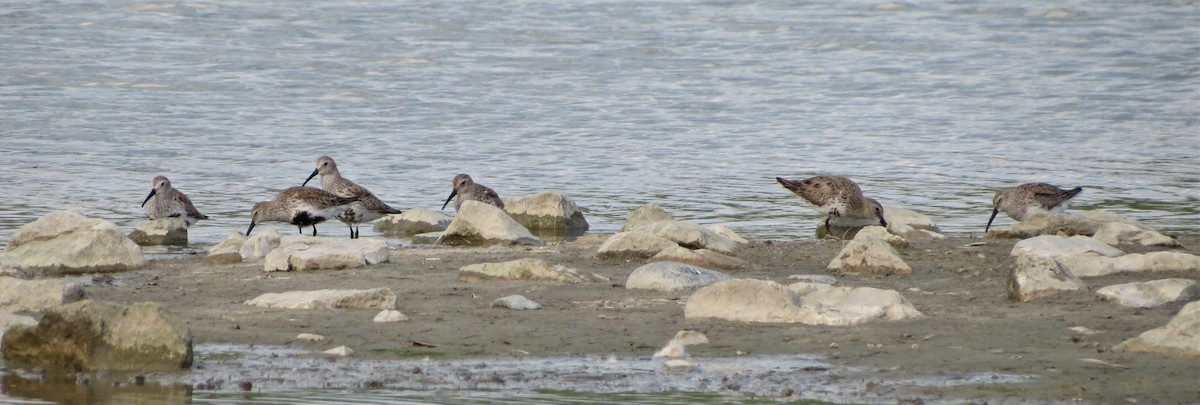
(314, 174)
(882, 222)
(451, 197)
(249, 229)
(989, 225)
(152, 193)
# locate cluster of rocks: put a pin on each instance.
(298, 252)
(547, 214)
(1058, 251)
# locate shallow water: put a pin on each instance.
(695, 106)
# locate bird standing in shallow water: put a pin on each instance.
(300, 206)
(466, 189)
(166, 202)
(1022, 201)
(835, 196)
(368, 207)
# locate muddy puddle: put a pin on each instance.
(229, 374)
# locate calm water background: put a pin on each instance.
(694, 105)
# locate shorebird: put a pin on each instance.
(835, 196)
(1022, 201)
(300, 206)
(166, 202)
(466, 189)
(368, 207)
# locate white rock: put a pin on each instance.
(868, 256)
(910, 218)
(672, 276)
(66, 242)
(1046, 223)
(162, 231)
(1178, 337)
(516, 302)
(38, 295)
(676, 347)
(547, 211)
(1058, 246)
(340, 351)
(523, 269)
(689, 235)
(1122, 233)
(375, 298)
(9, 321)
(413, 221)
(633, 244)
(1151, 293)
(1038, 277)
(299, 252)
(1089, 265)
(728, 234)
(228, 251)
(814, 278)
(478, 223)
(767, 301)
(310, 337)
(881, 233)
(700, 257)
(644, 215)
(390, 315)
(260, 244)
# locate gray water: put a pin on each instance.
(694, 105)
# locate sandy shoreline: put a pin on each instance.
(969, 325)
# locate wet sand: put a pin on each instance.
(970, 326)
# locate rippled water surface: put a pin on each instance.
(694, 105)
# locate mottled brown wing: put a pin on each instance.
(190, 209)
(1050, 197)
(492, 197)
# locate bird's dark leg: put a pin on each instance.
(301, 228)
(351, 230)
(314, 230)
(827, 226)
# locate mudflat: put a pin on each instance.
(958, 283)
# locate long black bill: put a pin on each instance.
(314, 174)
(989, 225)
(250, 228)
(152, 193)
(451, 197)
(882, 222)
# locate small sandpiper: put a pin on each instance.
(1022, 201)
(465, 189)
(167, 202)
(835, 196)
(367, 209)
(300, 206)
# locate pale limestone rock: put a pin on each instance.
(912, 234)
(1151, 293)
(633, 244)
(913, 219)
(375, 298)
(340, 351)
(389, 315)
(1180, 336)
(689, 235)
(93, 335)
(1038, 277)
(10, 267)
(300, 253)
(38, 295)
(1058, 246)
(881, 233)
(868, 256)
(428, 238)
(228, 251)
(768, 301)
(1046, 223)
(546, 212)
(728, 234)
(644, 215)
(1089, 265)
(700, 257)
(853, 306)
(676, 347)
(9, 321)
(162, 231)
(260, 245)
(814, 278)
(412, 222)
(1122, 233)
(671, 276)
(310, 337)
(66, 242)
(523, 269)
(516, 302)
(478, 223)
